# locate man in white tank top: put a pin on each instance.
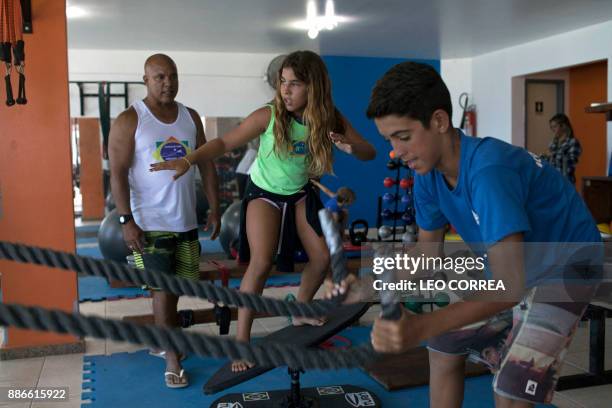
(157, 214)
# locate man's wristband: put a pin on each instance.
(187, 160)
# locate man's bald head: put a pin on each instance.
(161, 78)
(158, 59)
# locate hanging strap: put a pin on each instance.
(11, 42)
(5, 48)
(19, 50)
(105, 122)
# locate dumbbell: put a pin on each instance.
(388, 197)
(387, 214)
(384, 232)
(407, 199)
(408, 237)
(388, 182)
(408, 217)
(406, 183)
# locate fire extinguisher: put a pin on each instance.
(468, 121)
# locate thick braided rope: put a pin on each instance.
(334, 243)
(169, 283)
(268, 354)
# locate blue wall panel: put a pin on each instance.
(352, 81)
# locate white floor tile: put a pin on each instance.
(95, 347)
(93, 308)
(591, 397)
(116, 309)
(16, 405)
(581, 359)
(23, 372)
(70, 366)
(71, 403)
(113, 347)
(561, 401)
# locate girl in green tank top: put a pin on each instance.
(297, 132)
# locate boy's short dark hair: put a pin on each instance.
(410, 89)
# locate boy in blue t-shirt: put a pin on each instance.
(500, 199)
(338, 204)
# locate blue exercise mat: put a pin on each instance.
(88, 228)
(136, 380)
(95, 288)
(274, 281)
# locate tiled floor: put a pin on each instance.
(67, 369)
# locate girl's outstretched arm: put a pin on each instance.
(253, 126)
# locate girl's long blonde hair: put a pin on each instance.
(320, 115)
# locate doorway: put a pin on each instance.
(543, 99)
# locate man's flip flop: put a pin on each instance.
(162, 354)
(181, 377)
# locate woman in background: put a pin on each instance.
(564, 150)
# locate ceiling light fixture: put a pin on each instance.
(316, 23)
(75, 12)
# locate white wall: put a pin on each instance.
(215, 84)
(457, 74)
(491, 74)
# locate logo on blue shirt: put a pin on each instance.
(476, 217)
(299, 149)
(537, 159)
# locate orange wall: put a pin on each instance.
(588, 84)
(90, 152)
(36, 176)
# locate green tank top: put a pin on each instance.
(286, 173)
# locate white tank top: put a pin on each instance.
(159, 203)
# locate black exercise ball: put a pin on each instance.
(110, 238)
(109, 202)
(230, 228)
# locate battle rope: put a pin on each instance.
(169, 283)
(268, 354)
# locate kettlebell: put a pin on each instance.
(358, 238)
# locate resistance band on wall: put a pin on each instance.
(104, 96)
(11, 37)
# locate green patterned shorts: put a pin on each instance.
(176, 253)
